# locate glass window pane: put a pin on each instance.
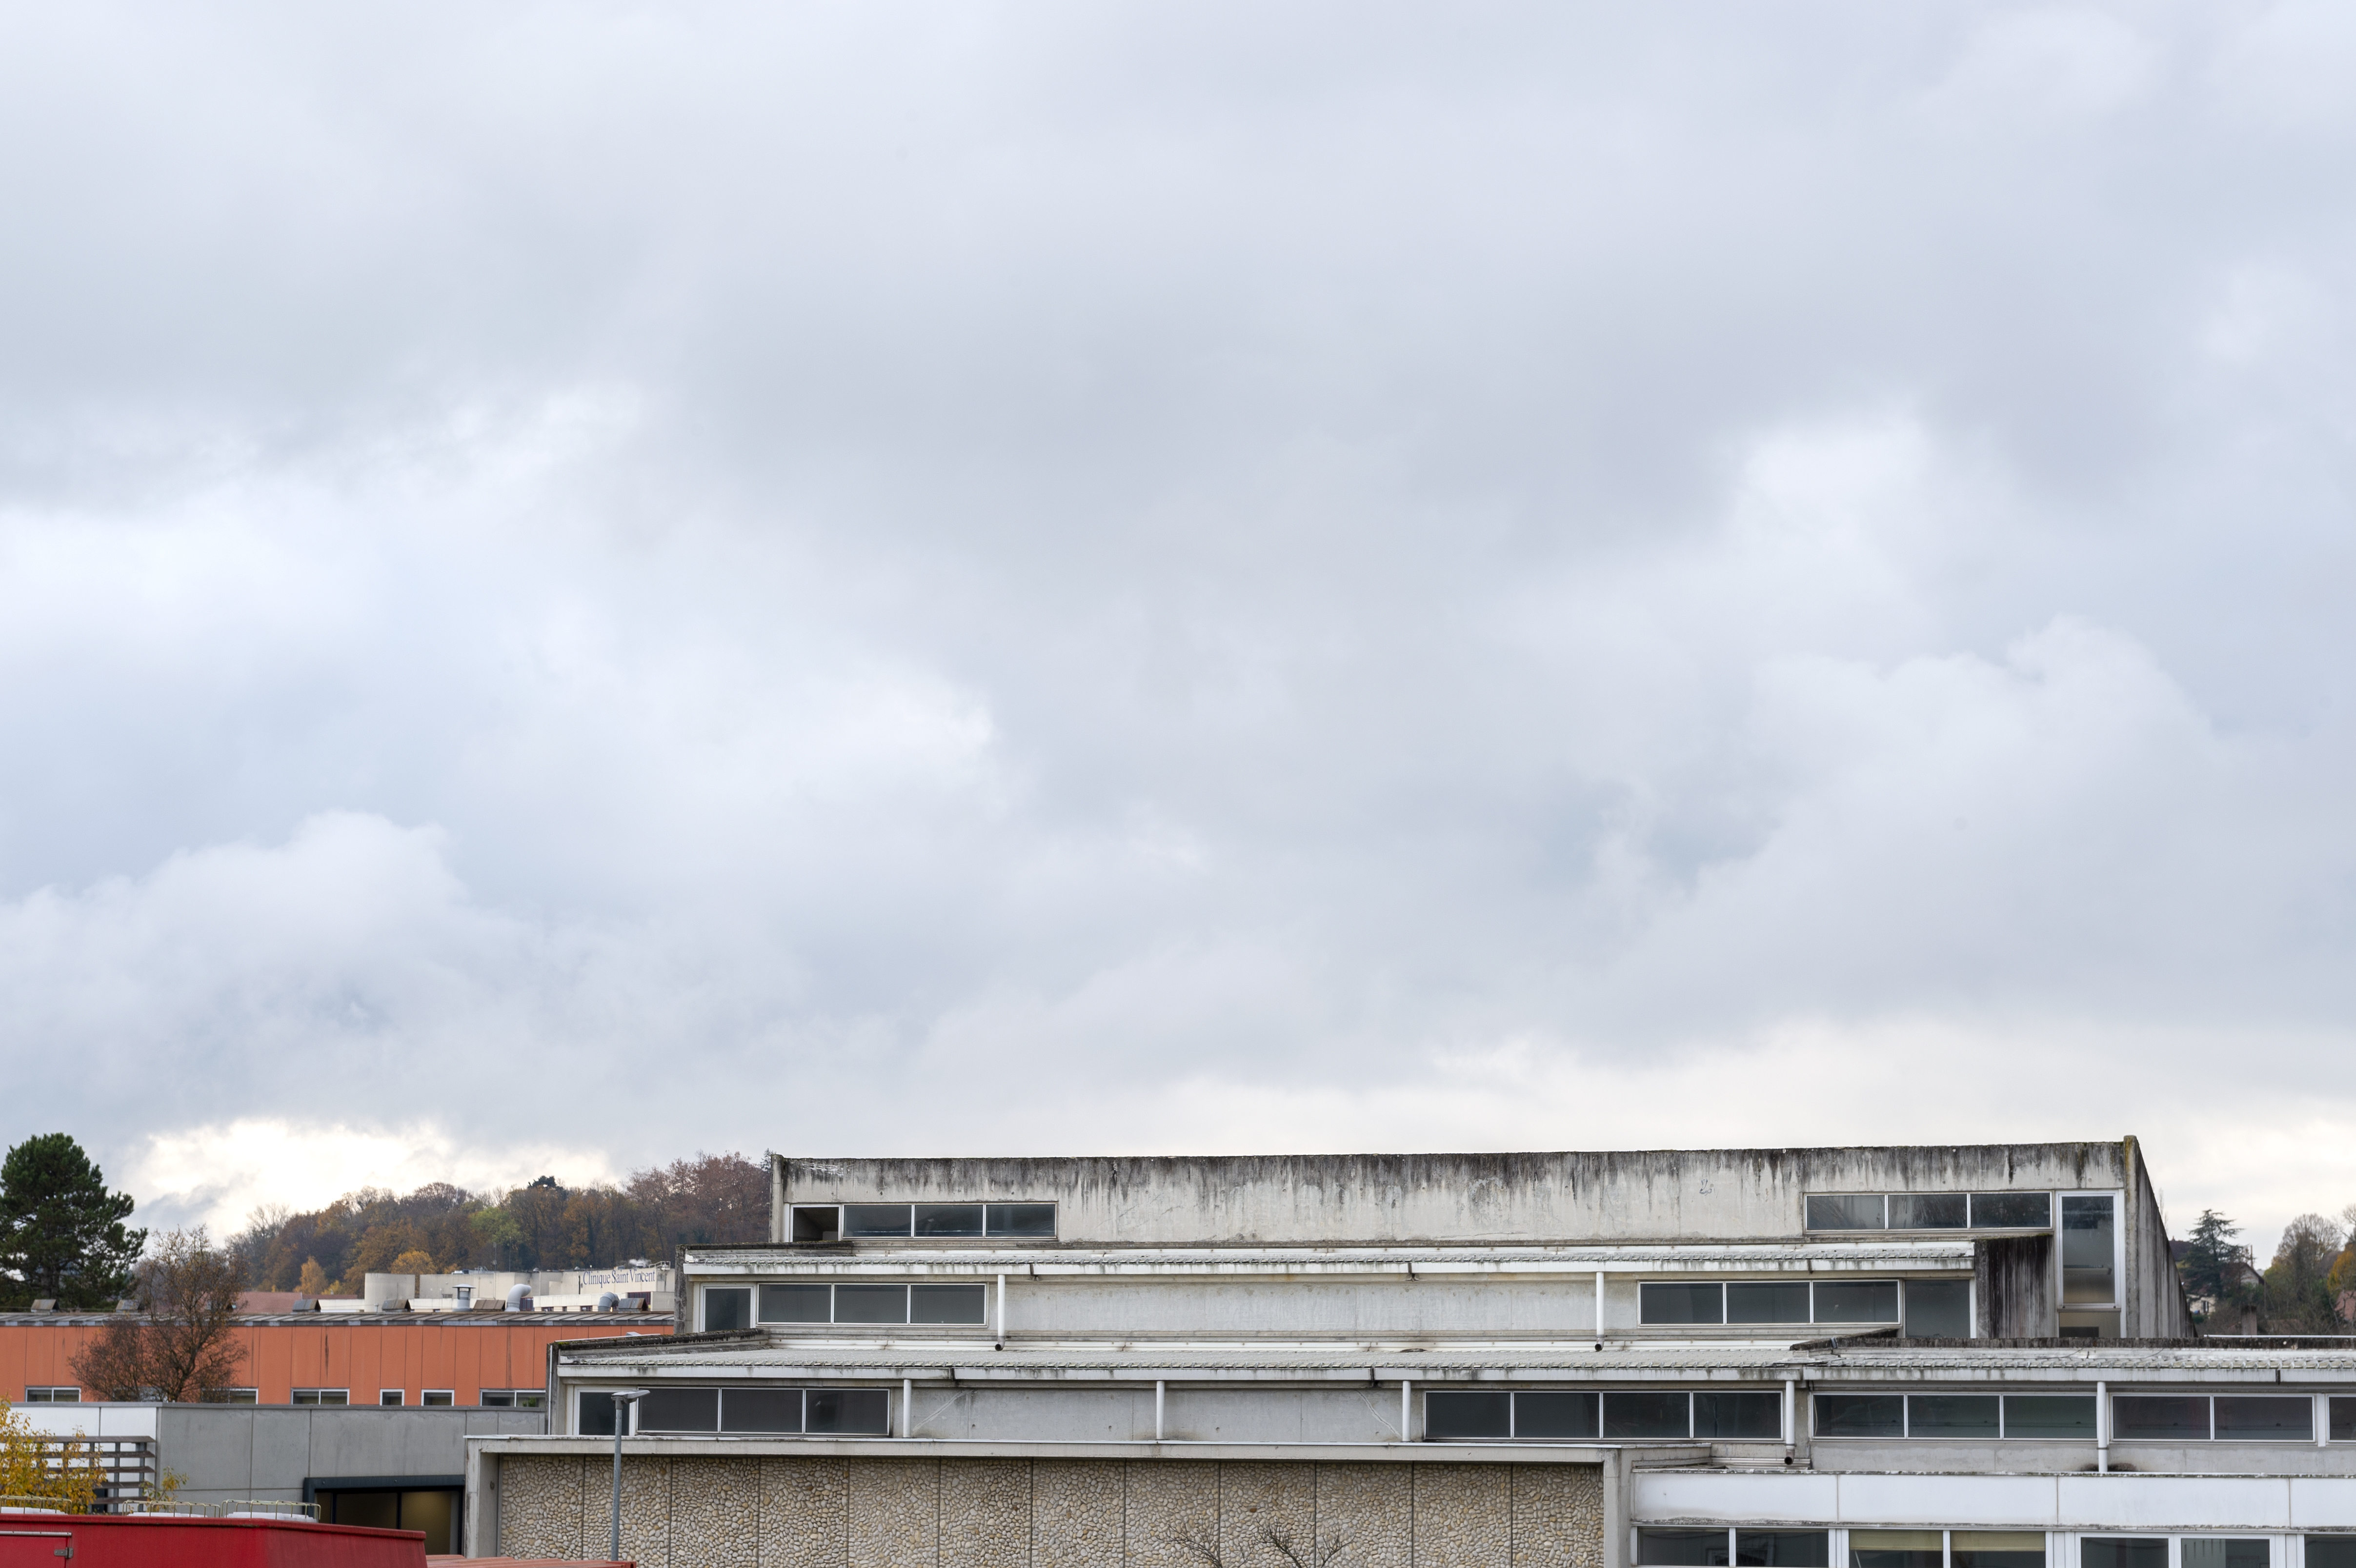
(865, 1413)
(1860, 1415)
(1484, 1413)
(1678, 1302)
(875, 1220)
(1929, 1211)
(1939, 1309)
(2275, 1419)
(949, 1220)
(2222, 1552)
(2088, 1231)
(730, 1308)
(1997, 1548)
(1681, 1548)
(679, 1409)
(1950, 1415)
(2182, 1417)
(1857, 1301)
(1752, 1416)
(761, 1410)
(871, 1303)
(1783, 1548)
(530, 1398)
(1023, 1219)
(1555, 1416)
(2343, 1424)
(2012, 1210)
(1896, 1549)
(1846, 1211)
(1781, 1302)
(817, 1223)
(947, 1304)
(2332, 1551)
(2122, 1552)
(794, 1303)
(2049, 1415)
(1646, 1415)
(595, 1413)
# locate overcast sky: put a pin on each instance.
(581, 583)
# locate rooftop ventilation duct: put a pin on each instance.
(608, 1301)
(518, 1295)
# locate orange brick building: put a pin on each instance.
(360, 1358)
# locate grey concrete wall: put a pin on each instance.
(2155, 1305)
(1560, 1306)
(1053, 1513)
(1362, 1414)
(267, 1451)
(1667, 1195)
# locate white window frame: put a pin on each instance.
(425, 1399)
(392, 1399)
(2056, 1542)
(316, 1397)
(2118, 1254)
(703, 1302)
(46, 1394)
(2283, 1549)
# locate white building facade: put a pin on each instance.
(1886, 1357)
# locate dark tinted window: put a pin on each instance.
(1950, 1415)
(679, 1409)
(860, 1412)
(2265, 1420)
(1554, 1416)
(2222, 1552)
(1681, 1548)
(1681, 1303)
(1939, 1309)
(731, 1308)
(2088, 1234)
(761, 1410)
(1781, 1302)
(1747, 1417)
(2012, 1210)
(871, 1303)
(946, 1304)
(2332, 1551)
(1023, 1219)
(794, 1303)
(1860, 1415)
(1645, 1415)
(875, 1220)
(2049, 1415)
(1997, 1548)
(1929, 1211)
(1857, 1301)
(2146, 1416)
(596, 1415)
(1782, 1549)
(1481, 1414)
(2122, 1552)
(1846, 1211)
(949, 1220)
(1896, 1549)
(2343, 1428)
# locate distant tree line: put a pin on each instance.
(711, 1199)
(2309, 1287)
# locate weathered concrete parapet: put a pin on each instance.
(683, 1508)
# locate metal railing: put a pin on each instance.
(124, 1469)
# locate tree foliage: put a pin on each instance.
(2308, 1287)
(63, 1473)
(62, 1232)
(439, 1229)
(182, 1345)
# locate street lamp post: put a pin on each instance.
(625, 1401)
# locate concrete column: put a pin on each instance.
(1615, 1508)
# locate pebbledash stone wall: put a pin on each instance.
(770, 1512)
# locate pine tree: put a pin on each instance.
(2213, 1265)
(61, 1233)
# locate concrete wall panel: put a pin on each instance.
(2170, 1503)
(2317, 1504)
(1463, 1516)
(1371, 1509)
(1078, 1513)
(1170, 1502)
(539, 1506)
(1558, 1516)
(1947, 1499)
(805, 1516)
(985, 1513)
(894, 1514)
(715, 1517)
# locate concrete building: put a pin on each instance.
(1893, 1357)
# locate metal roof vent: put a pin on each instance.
(519, 1298)
(607, 1301)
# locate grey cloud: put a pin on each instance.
(1015, 574)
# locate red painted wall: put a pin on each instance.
(363, 1353)
(105, 1542)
